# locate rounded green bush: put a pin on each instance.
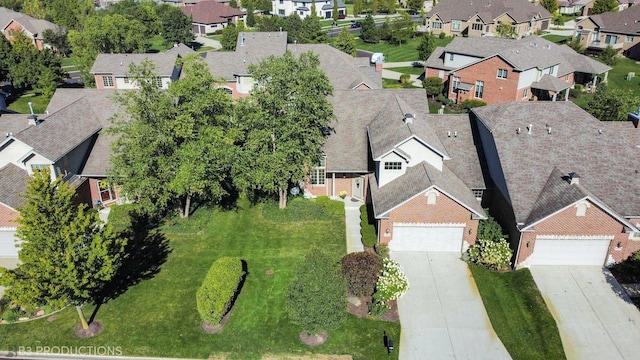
(215, 296)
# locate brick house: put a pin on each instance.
(324, 8)
(497, 70)
(12, 22)
(481, 17)
(620, 30)
(211, 16)
(560, 206)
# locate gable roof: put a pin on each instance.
(210, 12)
(347, 148)
(13, 123)
(13, 181)
(118, 64)
(414, 182)
(578, 143)
(623, 22)
(550, 83)
(32, 25)
(488, 10)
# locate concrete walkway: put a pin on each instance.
(352, 222)
(595, 318)
(442, 314)
(205, 41)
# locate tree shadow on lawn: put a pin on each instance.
(146, 250)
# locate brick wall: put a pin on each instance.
(416, 210)
(344, 182)
(496, 90)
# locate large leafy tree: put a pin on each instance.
(67, 255)
(312, 32)
(284, 121)
(295, 29)
(612, 104)
(58, 40)
(345, 42)
(415, 5)
(603, 6)
(550, 5)
(29, 67)
(5, 58)
(174, 146)
(175, 26)
(69, 14)
(229, 39)
(427, 45)
(402, 29)
(369, 32)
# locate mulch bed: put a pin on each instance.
(358, 306)
(214, 329)
(314, 340)
(93, 330)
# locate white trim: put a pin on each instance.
(442, 192)
(8, 228)
(430, 225)
(574, 237)
(411, 137)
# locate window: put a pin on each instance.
(431, 197)
(455, 25)
(611, 39)
(436, 25)
(281, 1)
(552, 69)
(525, 93)
(107, 81)
(450, 56)
(502, 73)
(479, 89)
(39, 167)
(158, 81)
(126, 80)
(281, 11)
(594, 36)
(581, 208)
(628, 38)
(317, 175)
(105, 191)
(393, 165)
(478, 192)
(456, 83)
(226, 90)
(477, 27)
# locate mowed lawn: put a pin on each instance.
(617, 79)
(395, 53)
(519, 314)
(158, 317)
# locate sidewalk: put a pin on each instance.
(205, 41)
(352, 223)
(389, 74)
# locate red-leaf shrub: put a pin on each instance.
(361, 271)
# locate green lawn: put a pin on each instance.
(158, 317)
(157, 44)
(558, 39)
(21, 104)
(395, 84)
(394, 53)
(518, 314)
(407, 70)
(617, 79)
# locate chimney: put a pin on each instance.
(379, 67)
(574, 178)
(408, 118)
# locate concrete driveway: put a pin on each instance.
(594, 320)
(442, 314)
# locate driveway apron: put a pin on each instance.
(442, 314)
(595, 318)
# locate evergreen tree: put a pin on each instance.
(67, 255)
(369, 32)
(427, 45)
(312, 31)
(550, 5)
(357, 7)
(251, 18)
(415, 5)
(229, 39)
(345, 42)
(334, 12)
(5, 58)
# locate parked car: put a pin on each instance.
(356, 24)
(341, 16)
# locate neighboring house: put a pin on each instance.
(12, 22)
(566, 185)
(211, 16)
(481, 17)
(621, 30)
(110, 70)
(574, 7)
(324, 8)
(343, 71)
(497, 70)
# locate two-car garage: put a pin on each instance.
(8, 244)
(427, 237)
(553, 250)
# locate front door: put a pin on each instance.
(357, 187)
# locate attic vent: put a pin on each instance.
(574, 178)
(408, 118)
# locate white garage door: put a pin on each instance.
(7, 244)
(569, 252)
(427, 238)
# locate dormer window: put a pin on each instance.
(581, 208)
(432, 196)
(393, 165)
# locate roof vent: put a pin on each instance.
(529, 128)
(33, 120)
(574, 178)
(408, 118)
(241, 39)
(518, 131)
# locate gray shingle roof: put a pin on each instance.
(33, 25)
(550, 83)
(13, 181)
(578, 143)
(623, 22)
(520, 10)
(416, 180)
(12, 123)
(118, 64)
(347, 147)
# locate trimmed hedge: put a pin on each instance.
(361, 271)
(219, 288)
(367, 231)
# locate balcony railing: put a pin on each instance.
(602, 45)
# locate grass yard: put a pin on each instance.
(21, 104)
(395, 53)
(158, 317)
(518, 314)
(157, 44)
(412, 70)
(558, 39)
(395, 84)
(617, 79)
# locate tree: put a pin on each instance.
(176, 145)
(506, 30)
(284, 121)
(251, 18)
(603, 6)
(402, 29)
(433, 85)
(427, 45)
(175, 26)
(612, 104)
(369, 32)
(316, 299)
(415, 5)
(5, 58)
(374, 7)
(58, 40)
(69, 14)
(550, 5)
(229, 39)
(576, 45)
(29, 67)
(295, 29)
(357, 8)
(609, 55)
(345, 42)
(334, 12)
(385, 30)
(68, 256)
(312, 32)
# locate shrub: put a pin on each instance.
(361, 270)
(392, 285)
(331, 207)
(492, 254)
(382, 250)
(579, 87)
(442, 35)
(367, 230)
(219, 289)
(575, 93)
(405, 79)
(12, 315)
(316, 299)
(471, 103)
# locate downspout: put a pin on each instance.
(333, 184)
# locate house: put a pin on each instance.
(211, 16)
(110, 70)
(620, 30)
(564, 184)
(12, 22)
(481, 17)
(324, 8)
(497, 70)
(574, 7)
(344, 71)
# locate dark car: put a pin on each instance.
(356, 24)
